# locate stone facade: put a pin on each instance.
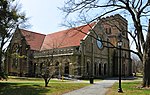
(83, 59)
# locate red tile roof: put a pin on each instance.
(66, 38)
(33, 39)
(61, 39)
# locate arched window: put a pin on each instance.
(100, 70)
(104, 69)
(57, 68)
(95, 68)
(41, 67)
(109, 31)
(34, 70)
(66, 68)
(87, 68)
(106, 30)
(56, 64)
(15, 50)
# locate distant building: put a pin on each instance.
(74, 51)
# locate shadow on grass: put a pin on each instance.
(22, 89)
(26, 78)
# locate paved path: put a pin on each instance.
(95, 89)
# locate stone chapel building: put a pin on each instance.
(83, 51)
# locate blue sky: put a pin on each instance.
(44, 15)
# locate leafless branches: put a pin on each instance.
(138, 11)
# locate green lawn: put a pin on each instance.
(29, 80)
(129, 88)
(35, 86)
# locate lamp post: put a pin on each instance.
(119, 45)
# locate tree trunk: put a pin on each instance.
(0, 61)
(46, 82)
(1, 54)
(146, 76)
(146, 60)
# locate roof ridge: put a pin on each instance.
(33, 32)
(70, 28)
(57, 31)
(64, 37)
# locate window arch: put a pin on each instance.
(66, 68)
(105, 69)
(15, 53)
(57, 68)
(95, 68)
(88, 68)
(108, 30)
(100, 70)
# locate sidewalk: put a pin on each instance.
(95, 89)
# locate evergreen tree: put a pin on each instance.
(10, 18)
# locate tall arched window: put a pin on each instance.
(57, 68)
(105, 69)
(100, 70)
(95, 69)
(66, 68)
(41, 67)
(87, 68)
(15, 50)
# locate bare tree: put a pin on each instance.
(146, 59)
(47, 71)
(49, 68)
(135, 10)
(137, 65)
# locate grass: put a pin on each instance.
(13, 79)
(35, 86)
(129, 88)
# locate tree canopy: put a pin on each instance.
(11, 17)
